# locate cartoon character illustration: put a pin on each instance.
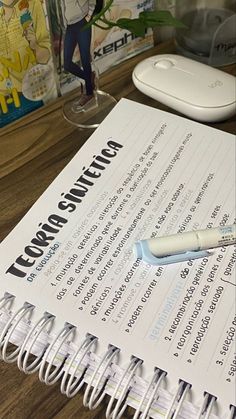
(100, 49)
(24, 43)
(76, 13)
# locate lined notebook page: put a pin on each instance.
(143, 173)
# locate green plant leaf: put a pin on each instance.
(160, 18)
(97, 17)
(138, 26)
(135, 26)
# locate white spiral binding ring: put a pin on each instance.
(122, 387)
(12, 326)
(96, 388)
(5, 313)
(178, 400)
(6, 299)
(232, 412)
(32, 338)
(150, 395)
(57, 353)
(207, 406)
(72, 381)
(59, 343)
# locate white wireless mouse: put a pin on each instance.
(197, 90)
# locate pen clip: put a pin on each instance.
(148, 257)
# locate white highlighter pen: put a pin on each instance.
(184, 246)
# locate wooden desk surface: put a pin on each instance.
(32, 152)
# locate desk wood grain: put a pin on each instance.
(32, 152)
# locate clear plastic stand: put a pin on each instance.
(92, 113)
(95, 110)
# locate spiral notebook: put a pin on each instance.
(76, 305)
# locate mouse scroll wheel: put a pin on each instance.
(165, 64)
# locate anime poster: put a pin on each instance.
(26, 67)
(107, 47)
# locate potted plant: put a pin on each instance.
(138, 26)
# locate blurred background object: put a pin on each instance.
(210, 36)
(165, 32)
